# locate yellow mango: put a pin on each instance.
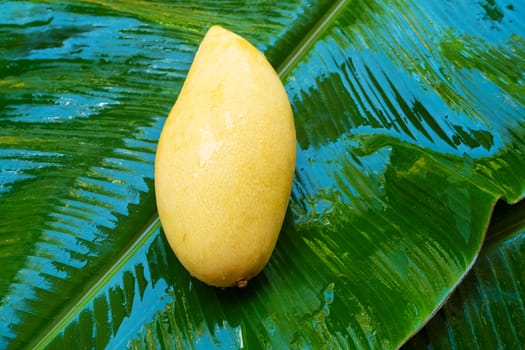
(225, 162)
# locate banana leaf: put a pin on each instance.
(486, 311)
(410, 120)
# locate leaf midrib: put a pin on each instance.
(310, 38)
(62, 320)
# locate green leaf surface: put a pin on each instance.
(487, 310)
(410, 121)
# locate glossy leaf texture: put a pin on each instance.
(487, 310)
(410, 119)
(85, 89)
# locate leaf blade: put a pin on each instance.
(371, 123)
(487, 308)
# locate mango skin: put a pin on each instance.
(225, 162)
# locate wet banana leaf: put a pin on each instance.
(486, 311)
(410, 121)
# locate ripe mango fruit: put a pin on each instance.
(225, 162)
